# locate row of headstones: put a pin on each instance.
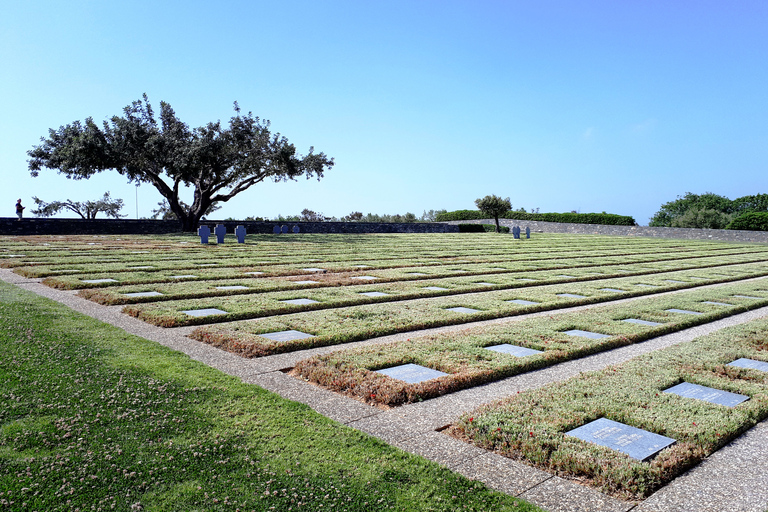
(516, 232)
(220, 230)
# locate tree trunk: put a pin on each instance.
(498, 229)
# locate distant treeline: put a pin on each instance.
(713, 211)
(575, 218)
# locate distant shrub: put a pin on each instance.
(575, 218)
(754, 221)
(480, 228)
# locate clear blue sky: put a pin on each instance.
(614, 106)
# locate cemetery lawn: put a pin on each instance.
(531, 425)
(92, 418)
(464, 355)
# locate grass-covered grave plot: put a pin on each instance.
(532, 425)
(466, 358)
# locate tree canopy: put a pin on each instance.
(217, 162)
(86, 209)
(707, 210)
(494, 206)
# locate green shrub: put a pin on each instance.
(575, 218)
(753, 221)
(480, 228)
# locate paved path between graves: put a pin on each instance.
(732, 479)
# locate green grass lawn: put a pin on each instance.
(94, 419)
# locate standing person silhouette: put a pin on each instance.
(19, 209)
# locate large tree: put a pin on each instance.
(493, 206)
(217, 162)
(86, 209)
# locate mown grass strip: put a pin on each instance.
(406, 302)
(531, 426)
(467, 360)
(94, 419)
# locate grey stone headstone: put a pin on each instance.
(374, 294)
(141, 267)
(220, 231)
(183, 276)
(300, 302)
(364, 278)
(635, 442)
(527, 232)
(240, 234)
(716, 303)
(748, 297)
(750, 363)
(233, 287)
(462, 309)
(97, 281)
(144, 294)
(614, 290)
(295, 229)
(411, 373)
(434, 288)
(586, 334)
(306, 282)
(204, 232)
(528, 279)
(314, 269)
(711, 395)
(276, 230)
(639, 321)
(565, 276)
(522, 302)
(286, 335)
(204, 312)
(684, 311)
(514, 350)
(571, 295)
(485, 283)
(284, 228)
(415, 274)
(674, 281)
(647, 285)
(253, 273)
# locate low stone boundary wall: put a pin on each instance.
(47, 226)
(723, 235)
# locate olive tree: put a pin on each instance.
(86, 209)
(493, 206)
(217, 162)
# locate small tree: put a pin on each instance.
(164, 211)
(494, 206)
(86, 210)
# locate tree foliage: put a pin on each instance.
(494, 206)
(86, 210)
(707, 210)
(164, 212)
(217, 162)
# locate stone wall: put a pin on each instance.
(723, 235)
(42, 226)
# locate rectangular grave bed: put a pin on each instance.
(515, 350)
(641, 322)
(751, 364)
(411, 373)
(635, 442)
(711, 395)
(522, 302)
(586, 334)
(286, 335)
(684, 311)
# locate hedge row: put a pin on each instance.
(574, 218)
(481, 228)
(754, 221)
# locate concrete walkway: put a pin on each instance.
(732, 479)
